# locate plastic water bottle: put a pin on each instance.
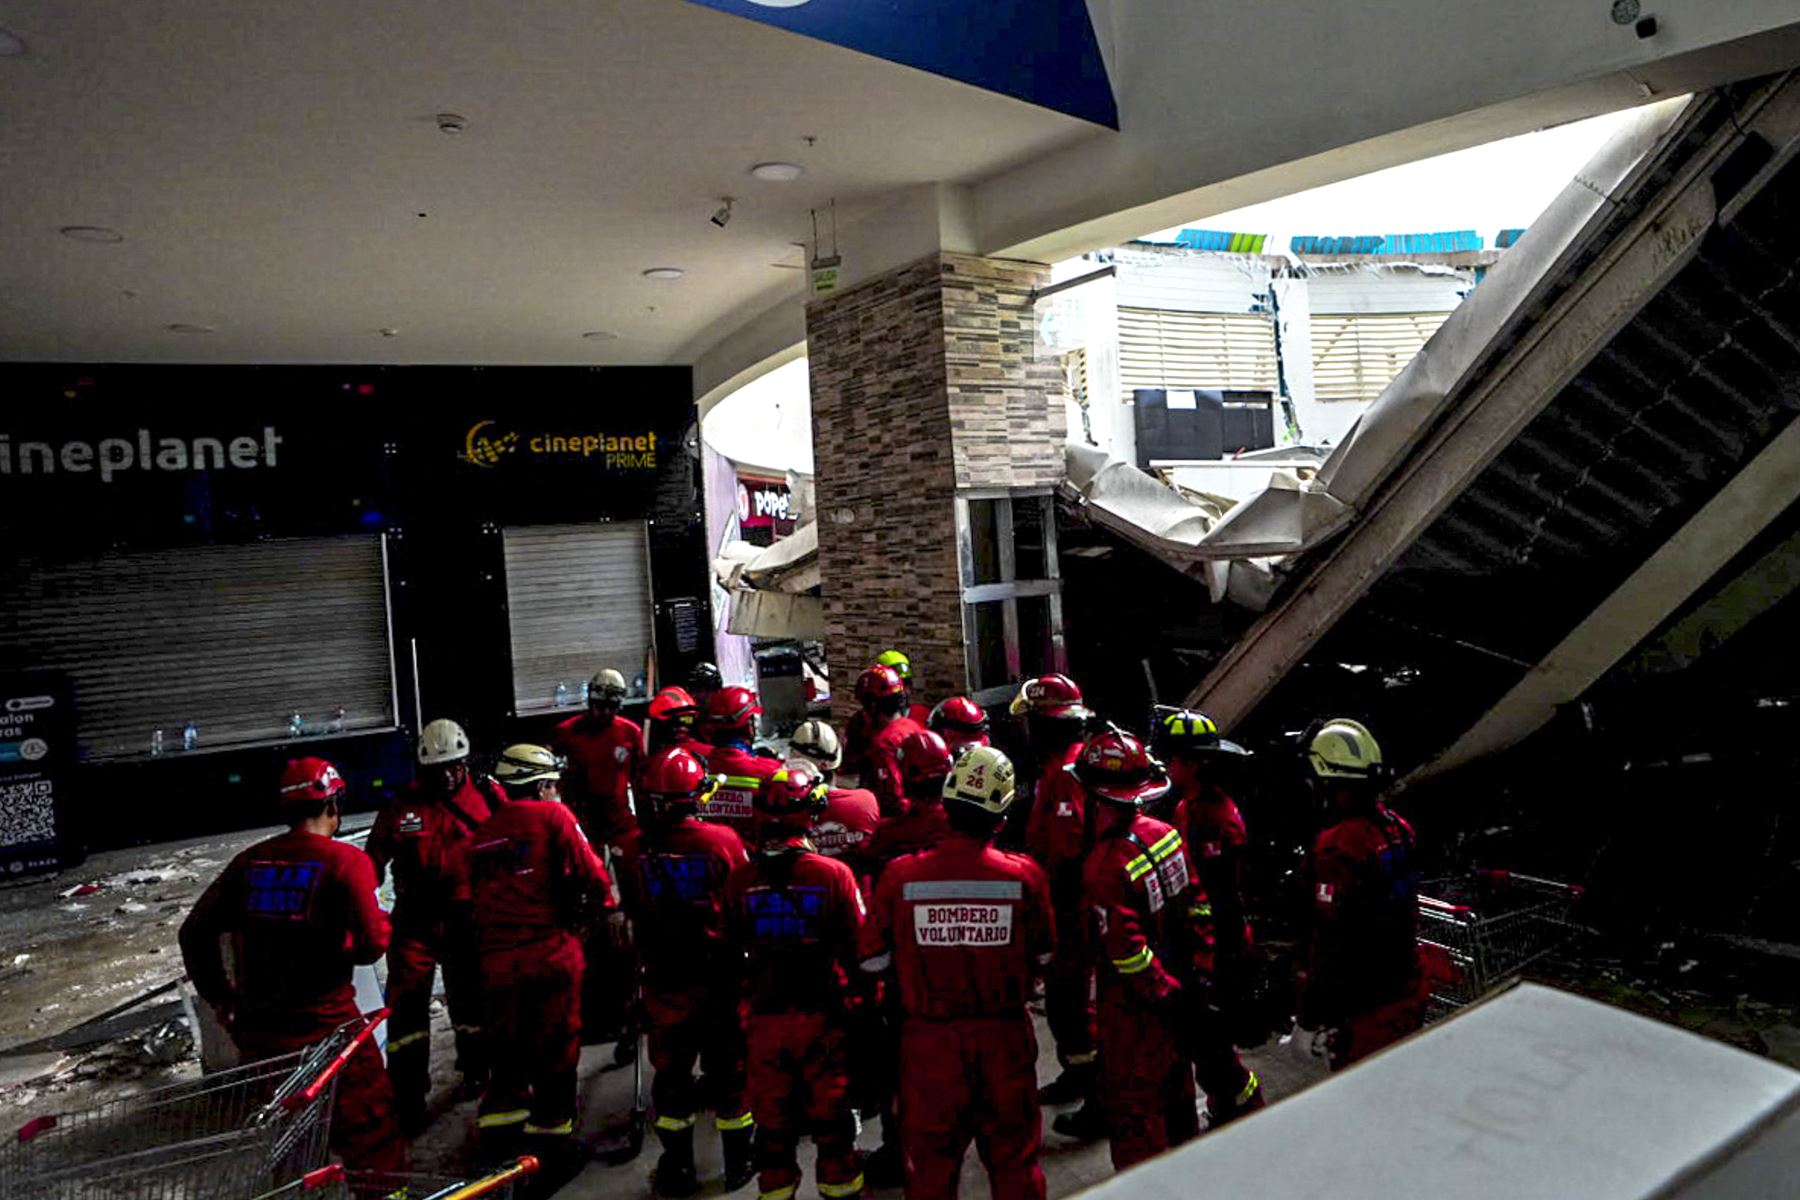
(156, 743)
(337, 719)
(296, 725)
(562, 694)
(639, 683)
(190, 736)
(586, 686)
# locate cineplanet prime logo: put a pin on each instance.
(114, 456)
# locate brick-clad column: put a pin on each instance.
(923, 380)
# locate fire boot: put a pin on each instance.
(675, 1174)
(1246, 1101)
(1075, 1083)
(1085, 1124)
(740, 1156)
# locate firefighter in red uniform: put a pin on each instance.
(1209, 822)
(731, 718)
(1057, 835)
(851, 814)
(960, 722)
(671, 721)
(884, 702)
(795, 916)
(965, 927)
(863, 724)
(673, 882)
(925, 763)
(1151, 929)
(531, 879)
(418, 834)
(604, 752)
(1364, 984)
(300, 911)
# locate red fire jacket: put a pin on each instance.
(1365, 950)
(417, 834)
(795, 917)
(530, 875)
(673, 884)
(603, 760)
(1150, 925)
(744, 771)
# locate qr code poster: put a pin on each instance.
(27, 812)
(36, 750)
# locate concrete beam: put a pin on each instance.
(1717, 533)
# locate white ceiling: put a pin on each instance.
(278, 173)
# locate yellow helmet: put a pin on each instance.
(1344, 749)
(817, 743)
(525, 763)
(901, 665)
(983, 777)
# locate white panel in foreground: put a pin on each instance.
(1533, 1094)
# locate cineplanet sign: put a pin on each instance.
(112, 457)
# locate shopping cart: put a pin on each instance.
(1479, 931)
(335, 1183)
(225, 1136)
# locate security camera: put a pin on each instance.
(722, 217)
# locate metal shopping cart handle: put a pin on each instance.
(516, 1170)
(310, 1093)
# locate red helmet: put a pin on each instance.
(961, 721)
(732, 709)
(1054, 696)
(879, 683)
(309, 781)
(673, 704)
(675, 778)
(1115, 766)
(792, 798)
(924, 762)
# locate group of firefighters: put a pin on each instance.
(814, 951)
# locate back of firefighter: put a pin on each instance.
(418, 835)
(863, 724)
(1151, 932)
(672, 880)
(299, 910)
(964, 928)
(851, 814)
(1057, 836)
(604, 752)
(731, 723)
(925, 763)
(795, 916)
(1364, 984)
(530, 879)
(1209, 822)
(960, 722)
(884, 702)
(672, 719)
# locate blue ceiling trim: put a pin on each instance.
(1044, 52)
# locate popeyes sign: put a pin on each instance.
(762, 502)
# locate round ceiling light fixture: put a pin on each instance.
(11, 44)
(185, 327)
(599, 335)
(777, 172)
(664, 273)
(92, 233)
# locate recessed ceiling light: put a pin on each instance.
(91, 233)
(599, 335)
(778, 172)
(664, 273)
(11, 44)
(184, 327)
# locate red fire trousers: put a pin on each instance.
(1362, 1034)
(413, 958)
(694, 1026)
(970, 1078)
(799, 1083)
(363, 1130)
(531, 1018)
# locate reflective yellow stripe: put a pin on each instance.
(1200, 910)
(836, 1191)
(743, 1122)
(1137, 868)
(1138, 962)
(786, 1193)
(1170, 843)
(674, 1123)
(566, 1129)
(461, 1029)
(400, 1043)
(516, 1116)
(743, 781)
(1243, 1097)
(1081, 1060)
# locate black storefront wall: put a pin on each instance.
(439, 459)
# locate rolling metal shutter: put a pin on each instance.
(232, 638)
(579, 600)
(1163, 348)
(1355, 356)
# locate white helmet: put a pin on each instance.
(442, 742)
(606, 684)
(817, 743)
(525, 763)
(983, 777)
